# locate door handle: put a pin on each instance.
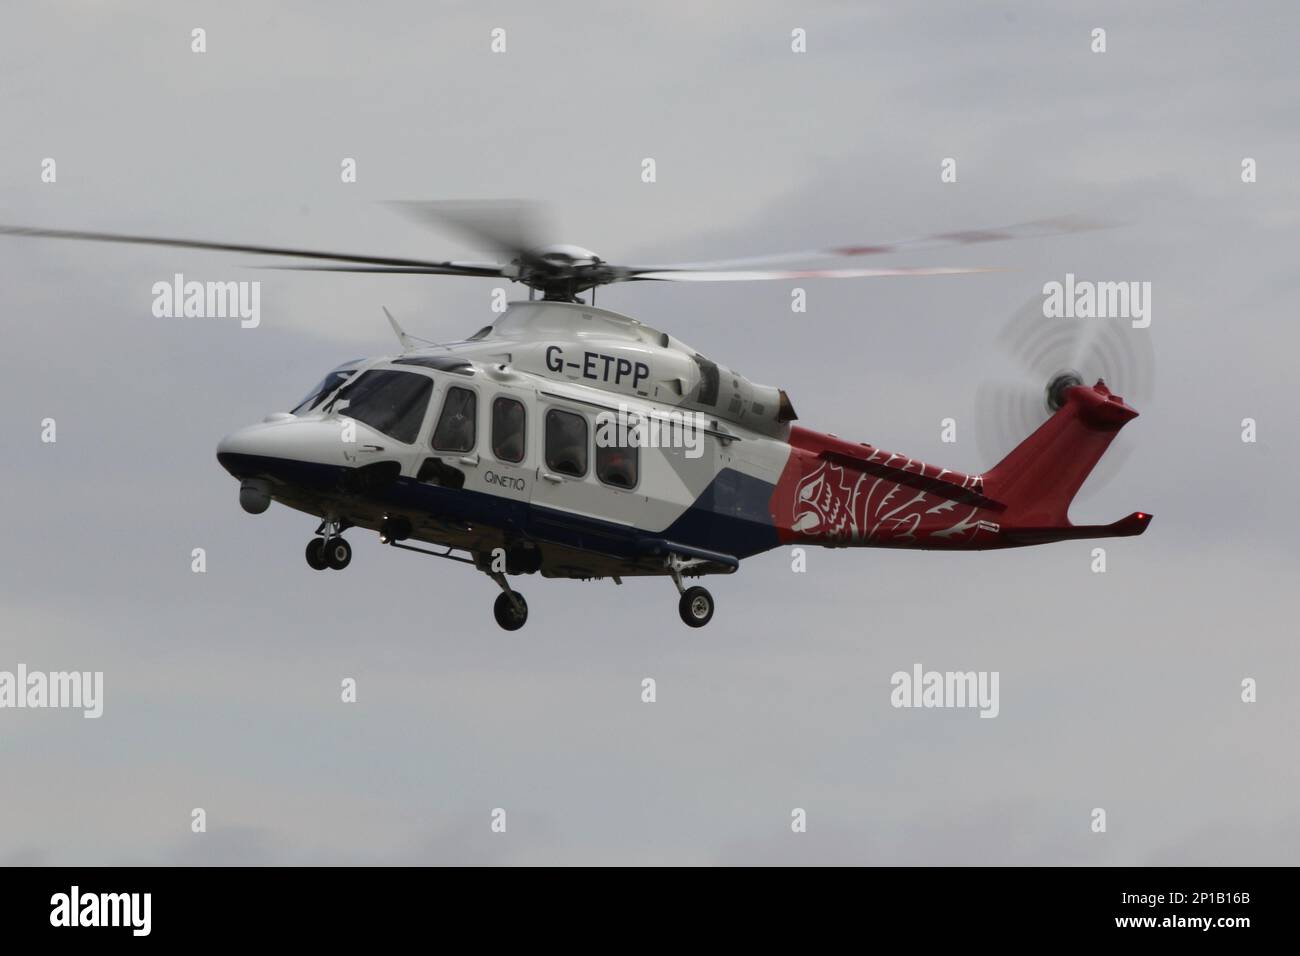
(552, 478)
(469, 459)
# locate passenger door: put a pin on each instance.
(507, 466)
(598, 490)
(479, 443)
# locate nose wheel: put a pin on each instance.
(316, 554)
(338, 553)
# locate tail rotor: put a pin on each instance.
(1045, 357)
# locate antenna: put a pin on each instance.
(407, 343)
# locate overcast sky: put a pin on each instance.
(1118, 690)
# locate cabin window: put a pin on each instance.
(391, 402)
(566, 443)
(455, 431)
(616, 464)
(508, 429)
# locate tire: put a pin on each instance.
(696, 607)
(503, 609)
(316, 554)
(338, 553)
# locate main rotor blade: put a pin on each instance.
(226, 247)
(507, 227)
(477, 269)
(760, 275)
(1038, 229)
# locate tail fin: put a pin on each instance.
(1041, 476)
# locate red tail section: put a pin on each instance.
(835, 493)
(1040, 478)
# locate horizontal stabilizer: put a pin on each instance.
(1135, 523)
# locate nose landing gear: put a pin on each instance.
(330, 550)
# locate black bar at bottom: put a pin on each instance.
(379, 904)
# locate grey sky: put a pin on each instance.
(1118, 690)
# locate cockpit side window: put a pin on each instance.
(566, 443)
(508, 429)
(391, 402)
(456, 431)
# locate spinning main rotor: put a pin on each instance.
(560, 272)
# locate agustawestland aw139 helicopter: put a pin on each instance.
(490, 449)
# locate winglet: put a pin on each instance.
(407, 343)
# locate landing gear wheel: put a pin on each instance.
(509, 616)
(696, 606)
(316, 554)
(338, 553)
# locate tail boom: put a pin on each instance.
(839, 494)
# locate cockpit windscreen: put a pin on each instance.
(391, 402)
(322, 390)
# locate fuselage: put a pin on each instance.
(585, 444)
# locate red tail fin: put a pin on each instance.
(1041, 476)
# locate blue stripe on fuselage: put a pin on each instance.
(731, 515)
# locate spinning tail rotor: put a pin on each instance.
(1050, 355)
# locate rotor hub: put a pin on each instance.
(562, 271)
(1057, 387)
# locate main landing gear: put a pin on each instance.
(510, 609)
(330, 550)
(696, 604)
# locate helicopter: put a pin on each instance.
(576, 442)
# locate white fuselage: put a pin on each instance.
(477, 490)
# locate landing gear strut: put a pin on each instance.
(696, 603)
(330, 550)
